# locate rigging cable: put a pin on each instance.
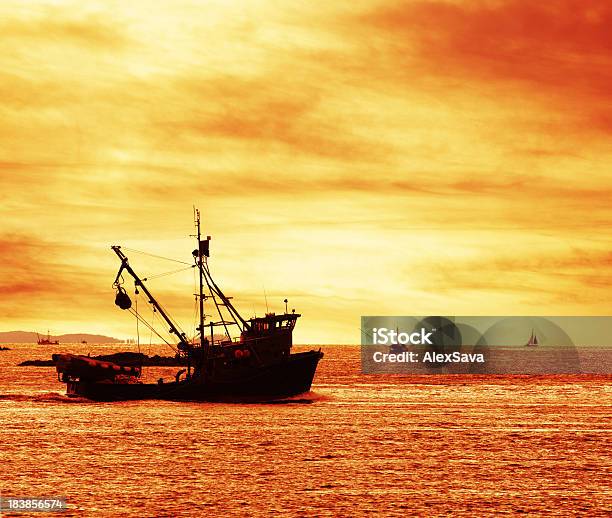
(152, 329)
(154, 255)
(136, 310)
(151, 332)
(218, 309)
(157, 275)
(228, 305)
(196, 315)
(174, 322)
(136, 292)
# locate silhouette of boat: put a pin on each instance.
(533, 340)
(47, 340)
(257, 364)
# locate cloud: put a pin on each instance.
(44, 279)
(53, 26)
(331, 144)
(559, 52)
(273, 113)
(547, 275)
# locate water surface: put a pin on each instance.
(357, 445)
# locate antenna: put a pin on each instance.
(266, 297)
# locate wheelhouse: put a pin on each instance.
(272, 323)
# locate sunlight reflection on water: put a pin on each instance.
(365, 444)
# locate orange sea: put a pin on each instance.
(357, 445)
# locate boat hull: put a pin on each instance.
(284, 379)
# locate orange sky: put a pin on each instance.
(370, 157)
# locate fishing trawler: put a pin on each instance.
(41, 340)
(254, 362)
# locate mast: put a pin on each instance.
(199, 259)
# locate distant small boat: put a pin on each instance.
(47, 340)
(533, 340)
(83, 341)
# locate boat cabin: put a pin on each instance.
(272, 323)
(270, 337)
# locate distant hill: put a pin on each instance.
(30, 337)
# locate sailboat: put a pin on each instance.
(256, 364)
(533, 340)
(41, 340)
